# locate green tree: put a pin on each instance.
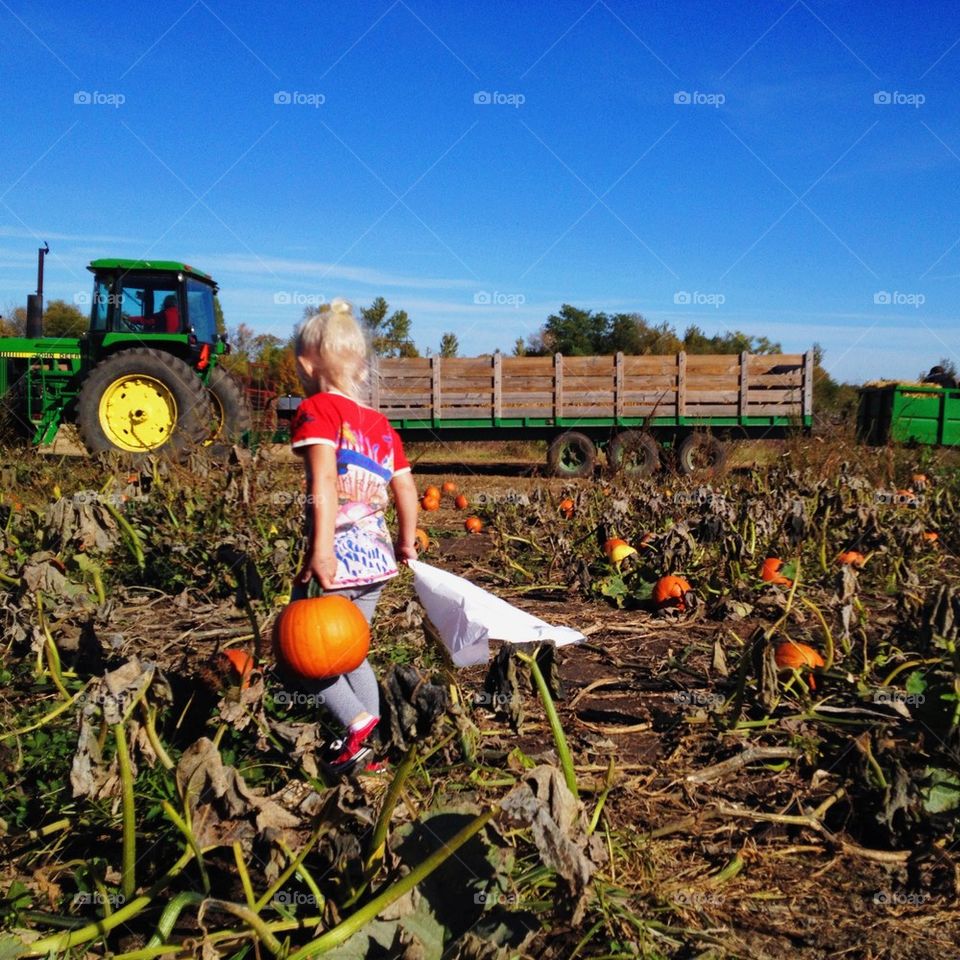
(449, 345)
(62, 319)
(13, 323)
(389, 334)
(218, 317)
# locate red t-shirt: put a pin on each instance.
(369, 456)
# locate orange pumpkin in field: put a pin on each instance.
(432, 493)
(566, 507)
(931, 536)
(670, 591)
(449, 487)
(321, 637)
(423, 541)
(791, 655)
(770, 571)
(473, 524)
(853, 558)
(241, 663)
(461, 503)
(430, 503)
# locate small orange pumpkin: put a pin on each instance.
(461, 503)
(432, 493)
(770, 571)
(931, 536)
(670, 591)
(449, 487)
(852, 557)
(566, 507)
(430, 503)
(423, 541)
(618, 550)
(241, 663)
(473, 524)
(321, 637)
(791, 655)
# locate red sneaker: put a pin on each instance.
(345, 754)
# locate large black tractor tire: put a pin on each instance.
(140, 401)
(572, 454)
(701, 454)
(633, 454)
(231, 412)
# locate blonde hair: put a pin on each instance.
(335, 346)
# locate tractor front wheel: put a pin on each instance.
(231, 412)
(141, 401)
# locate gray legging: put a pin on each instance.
(355, 692)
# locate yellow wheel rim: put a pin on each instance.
(138, 413)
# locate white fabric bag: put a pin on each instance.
(467, 617)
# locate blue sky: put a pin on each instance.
(777, 196)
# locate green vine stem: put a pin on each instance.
(128, 867)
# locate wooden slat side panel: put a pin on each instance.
(588, 366)
(649, 366)
(527, 366)
(774, 363)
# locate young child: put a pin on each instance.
(351, 455)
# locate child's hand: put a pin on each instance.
(322, 568)
(405, 553)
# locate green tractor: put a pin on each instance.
(145, 377)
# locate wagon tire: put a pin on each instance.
(701, 454)
(142, 401)
(572, 454)
(634, 454)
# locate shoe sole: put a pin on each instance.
(362, 755)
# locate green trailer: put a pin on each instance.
(145, 376)
(909, 413)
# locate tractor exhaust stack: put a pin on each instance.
(35, 300)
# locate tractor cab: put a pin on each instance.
(153, 298)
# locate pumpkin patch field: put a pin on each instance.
(755, 751)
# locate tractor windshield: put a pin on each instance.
(200, 307)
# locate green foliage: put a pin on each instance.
(389, 335)
(573, 331)
(449, 345)
(62, 319)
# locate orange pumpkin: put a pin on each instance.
(423, 541)
(852, 557)
(770, 571)
(430, 503)
(618, 550)
(920, 480)
(931, 536)
(241, 663)
(473, 524)
(791, 655)
(461, 503)
(321, 637)
(432, 493)
(449, 487)
(566, 507)
(670, 591)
